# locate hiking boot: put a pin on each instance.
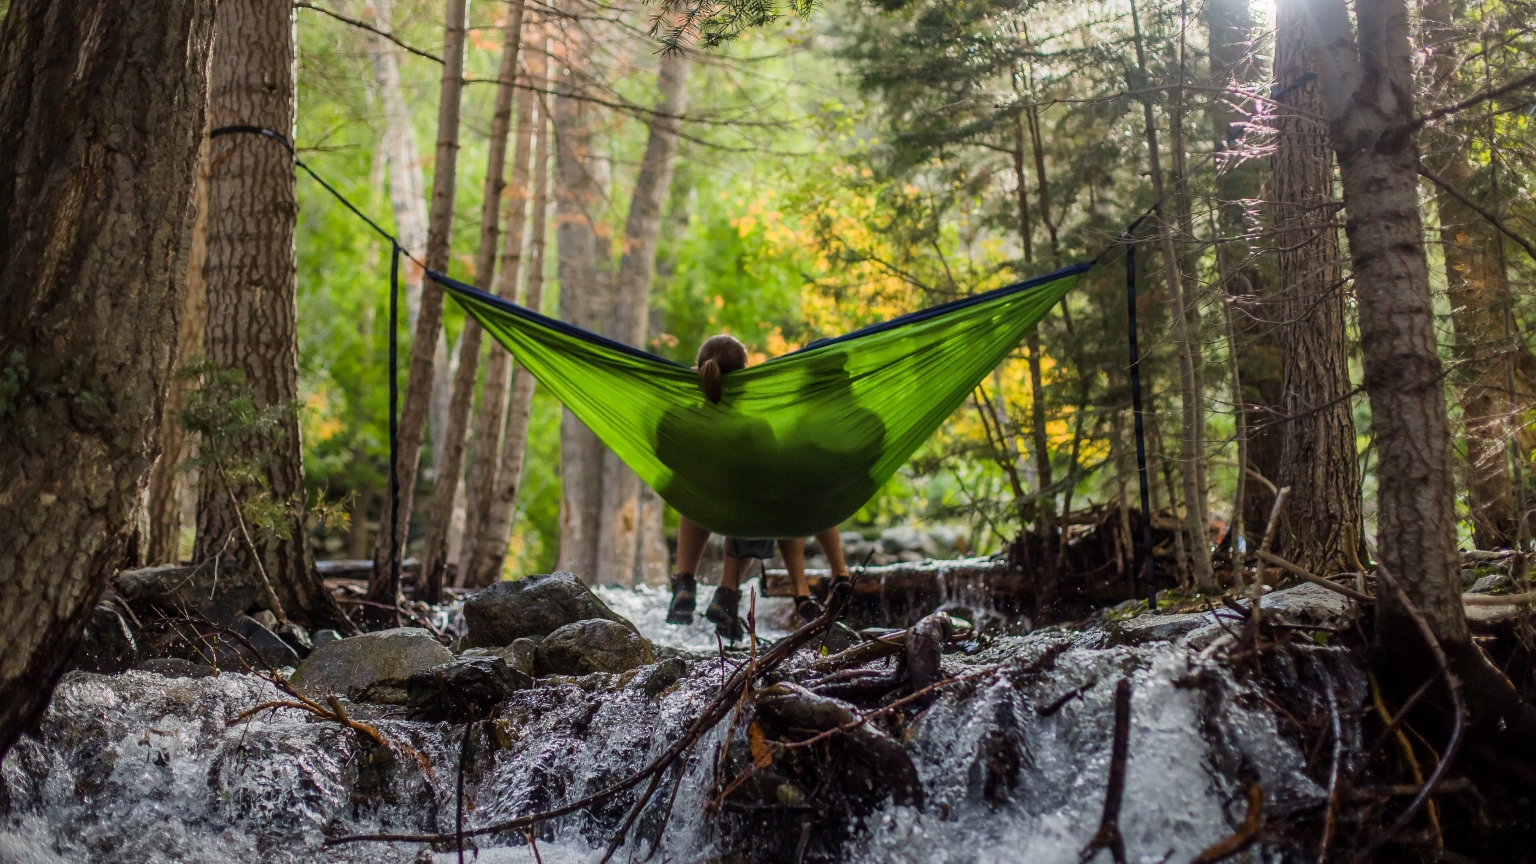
(722, 611)
(681, 609)
(808, 608)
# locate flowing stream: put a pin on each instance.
(141, 768)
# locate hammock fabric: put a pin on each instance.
(797, 444)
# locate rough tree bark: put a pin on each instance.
(582, 244)
(418, 388)
(450, 475)
(491, 415)
(102, 109)
(1318, 458)
(1366, 80)
(168, 484)
(1478, 290)
(251, 283)
(619, 521)
(490, 549)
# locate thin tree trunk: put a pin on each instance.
(413, 415)
(619, 521)
(1478, 292)
(407, 185)
(168, 484)
(1190, 397)
(490, 549)
(1318, 460)
(450, 476)
(102, 110)
(491, 416)
(577, 205)
(251, 276)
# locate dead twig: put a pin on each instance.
(1108, 835)
(1315, 580)
(1243, 837)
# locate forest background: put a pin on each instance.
(850, 164)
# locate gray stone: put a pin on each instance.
(369, 662)
(595, 645)
(1490, 584)
(266, 619)
(175, 667)
(218, 592)
(271, 650)
(1309, 604)
(534, 606)
(664, 675)
(1155, 628)
(466, 689)
(520, 655)
(107, 646)
(324, 637)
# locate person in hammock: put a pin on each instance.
(719, 356)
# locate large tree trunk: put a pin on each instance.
(101, 120)
(490, 549)
(578, 194)
(424, 342)
(251, 281)
(619, 521)
(1478, 290)
(491, 416)
(168, 484)
(1318, 461)
(451, 471)
(1367, 88)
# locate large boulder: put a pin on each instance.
(533, 606)
(218, 591)
(373, 666)
(596, 645)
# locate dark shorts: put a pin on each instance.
(764, 549)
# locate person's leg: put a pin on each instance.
(691, 537)
(731, 570)
(792, 550)
(831, 541)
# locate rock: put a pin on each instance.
(595, 645)
(664, 675)
(175, 667)
(266, 619)
(461, 691)
(107, 646)
(219, 593)
(272, 650)
(1309, 604)
(1155, 628)
(1490, 584)
(297, 638)
(535, 606)
(371, 666)
(323, 638)
(520, 655)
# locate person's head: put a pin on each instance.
(717, 356)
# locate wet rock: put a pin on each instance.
(175, 667)
(664, 675)
(534, 606)
(271, 650)
(596, 645)
(521, 654)
(370, 667)
(875, 766)
(297, 638)
(1490, 584)
(1155, 627)
(464, 690)
(324, 637)
(1309, 604)
(107, 646)
(217, 592)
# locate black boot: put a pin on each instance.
(722, 611)
(808, 608)
(681, 610)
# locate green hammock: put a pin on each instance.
(796, 444)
